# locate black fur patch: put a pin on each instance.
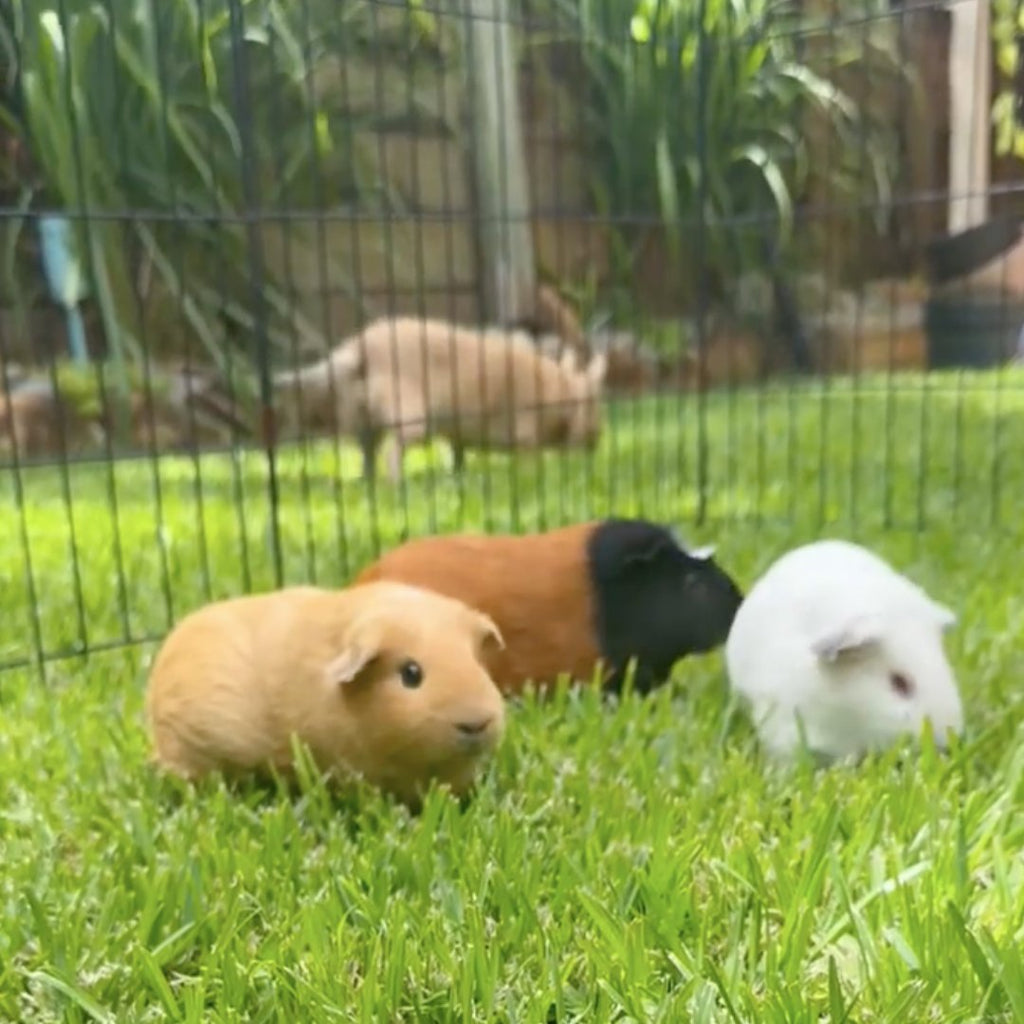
(654, 601)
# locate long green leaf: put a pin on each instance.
(758, 157)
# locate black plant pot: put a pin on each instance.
(974, 331)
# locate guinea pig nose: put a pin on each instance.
(475, 727)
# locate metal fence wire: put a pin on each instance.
(706, 262)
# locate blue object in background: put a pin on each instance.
(64, 279)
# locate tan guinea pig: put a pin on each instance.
(385, 681)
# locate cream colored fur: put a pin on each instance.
(483, 388)
(237, 680)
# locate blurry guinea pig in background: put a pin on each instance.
(610, 590)
(385, 682)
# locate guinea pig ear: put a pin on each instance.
(704, 554)
(361, 645)
(857, 633)
(489, 632)
(946, 617)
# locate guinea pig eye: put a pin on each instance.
(411, 674)
(901, 684)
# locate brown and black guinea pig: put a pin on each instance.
(566, 599)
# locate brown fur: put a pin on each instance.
(237, 679)
(534, 587)
(488, 389)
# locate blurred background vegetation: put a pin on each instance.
(195, 170)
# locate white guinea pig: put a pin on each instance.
(835, 641)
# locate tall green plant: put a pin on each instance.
(131, 112)
(653, 66)
(1007, 30)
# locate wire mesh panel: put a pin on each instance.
(698, 261)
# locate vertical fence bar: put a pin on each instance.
(295, 415)
(83, 217)
(700, 256)
(862, 318)
(105, 403)
(515, 286)
(166, 85)
(359, 276)
(420, 264)
(890, 391)
(317, 181)
(482, 201)
(16, 469)
(250, 189)
(402, 407)
(450, 219)
(832, 215)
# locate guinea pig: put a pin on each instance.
(833, 640)
(487, 388)
(386, 682)
(567, 599)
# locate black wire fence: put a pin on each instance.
(784, 231)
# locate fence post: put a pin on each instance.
(250, 188)
(700, 259)
(970, 96)
(499, 159)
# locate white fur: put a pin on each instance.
(815, 641)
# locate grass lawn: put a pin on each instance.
(636, 860)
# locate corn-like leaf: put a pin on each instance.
(775, 182)
(668, 192)
(651, 66)
(130, 107)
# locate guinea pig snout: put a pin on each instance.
(474, 726)
(475, 731)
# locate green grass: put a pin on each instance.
(636, 860)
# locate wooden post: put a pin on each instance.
(502, 188)
(970, 96)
